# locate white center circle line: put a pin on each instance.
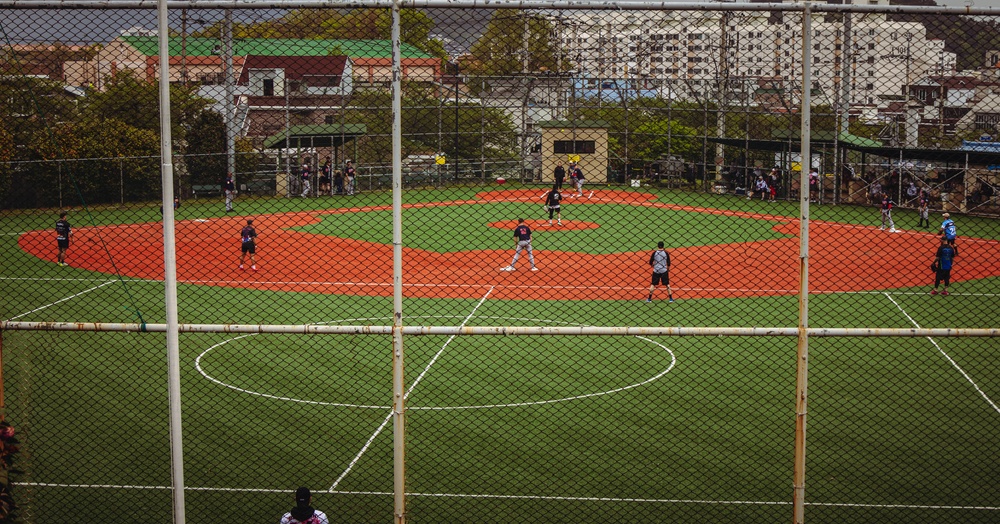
(204, 373)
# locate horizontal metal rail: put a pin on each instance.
(312, 329)
(549, 5)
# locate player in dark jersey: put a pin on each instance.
(552, 201)
(523, 235)
(248, 244)
(560, 175)
(944, 259)
(63, 232)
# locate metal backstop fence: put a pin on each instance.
(517, 262)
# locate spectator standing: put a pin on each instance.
(350, 175)
(303, 513)
(875, 191)
(63, 232)
(560, 175)
(948, 230)
(572, 176)
(885, 206)
(552, 203)
(579, 180)
(325, 174)
(306, 179)
(944, 259)
(911, 192)
(923, 209)
(813, 185)
(522, 233)
(248, 245)
(338, 182)
(772, 184)
(229, 189)
(660, 261)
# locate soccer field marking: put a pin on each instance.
(204, 373)
(46, 306)
(643, 500)
(388, 417)
(445, 345)
(948, 358)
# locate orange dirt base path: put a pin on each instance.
(843, 258)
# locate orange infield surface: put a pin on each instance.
(842, 258)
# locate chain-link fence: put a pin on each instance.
(505, 342)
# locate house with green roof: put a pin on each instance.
(199, 59)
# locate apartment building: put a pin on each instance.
(687, 53)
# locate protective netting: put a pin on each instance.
(685, 127)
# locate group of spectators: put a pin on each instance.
(764, 185)
(576, 178)
(343, 179)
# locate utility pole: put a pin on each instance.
(184, 33)
(720, 152)
(227, 58)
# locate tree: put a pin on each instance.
(500, 51)
(124, 163)
(135, 102)
(206, 149)
(659, 138)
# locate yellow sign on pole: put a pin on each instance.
(440, 160)
(573, 158)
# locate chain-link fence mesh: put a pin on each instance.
(606, 132)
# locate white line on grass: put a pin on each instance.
(63, 300)
(388, 417)
(520, 497)
(953, 363)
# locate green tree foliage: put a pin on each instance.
(125, 158)
(136, 102)
(501, 48)
(429, 125)
(206, 149)
(657, 138)
(636, 126)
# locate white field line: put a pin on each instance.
(388, 417)
(947, 357)
(520, 497)
(62, 300)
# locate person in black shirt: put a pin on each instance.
(523, 235)
(248, 244)
(552, 201)
(63, 232)
(229, 188)
(560, 175)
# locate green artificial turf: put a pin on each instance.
(499, 428)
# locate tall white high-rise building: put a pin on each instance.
(861, 58)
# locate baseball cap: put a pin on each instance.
(302, 495)
(946, 215)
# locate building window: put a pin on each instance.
(574, 146)
(987, 121)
